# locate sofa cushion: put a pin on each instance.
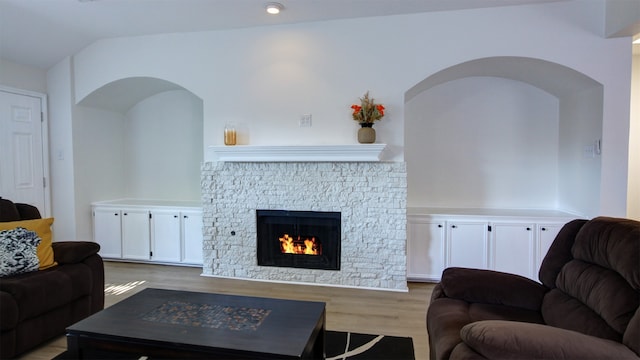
(593, 285)
(71, 252)
(562, 310)
(496, 339)
(462, 351)
(41, 291)
(18, 251)
(492, 287)
(612, 244)
(478, 312)
(606, 253)
(8, 312)
(43, 228)
(8, 211)
(27, 211)
(446, 316)
(632, 334)
(559, 253)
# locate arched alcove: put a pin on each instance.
(504, 132)
(141, 138)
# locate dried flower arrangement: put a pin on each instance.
(368, 111)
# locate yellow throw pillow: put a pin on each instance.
(43, 228)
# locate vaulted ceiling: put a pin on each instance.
(40, 33)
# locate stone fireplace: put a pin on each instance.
(368, 194)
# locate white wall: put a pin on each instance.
(22, 76)
(622, 17)
(163, 148)
(580, 172)
(99, 152)
(487, 142)
(265, 78)
(153, 151)
(60, 92)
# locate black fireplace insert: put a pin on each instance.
(299, 239)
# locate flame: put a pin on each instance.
(308, 246)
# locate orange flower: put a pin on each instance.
(356, 108)
(380, 109)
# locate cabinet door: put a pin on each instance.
(512, 248)
(106, 232)
(467, 244)
(546, 234)
(425, 249)
(135, 234)
(192, 237)
(165, 235)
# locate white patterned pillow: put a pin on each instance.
(18, 251)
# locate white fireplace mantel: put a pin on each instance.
(298, 153)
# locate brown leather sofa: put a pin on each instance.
(39, 305)
(587, 305)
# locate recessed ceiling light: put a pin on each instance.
(274, 8)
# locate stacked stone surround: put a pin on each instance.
(370, 195)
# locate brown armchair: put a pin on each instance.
(587, 305)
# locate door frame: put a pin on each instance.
(45, 140)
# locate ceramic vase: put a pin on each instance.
(366, 133)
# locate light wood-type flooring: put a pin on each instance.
(356, 310)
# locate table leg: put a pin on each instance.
(73, 347)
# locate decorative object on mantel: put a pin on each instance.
(229, 134)
(366, 133)
(365, 114)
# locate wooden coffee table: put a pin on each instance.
(185, 325)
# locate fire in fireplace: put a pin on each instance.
(300, 239)
(301, 245)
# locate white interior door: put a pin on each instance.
(22, 149)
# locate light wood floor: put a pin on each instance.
(355, 310)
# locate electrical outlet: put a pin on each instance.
(589, 152)
(305, 120)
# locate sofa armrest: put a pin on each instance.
(492, 287)
(498, 339)
(71, 252)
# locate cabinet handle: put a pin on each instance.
(186, 217)
(528, 229)
(125, 214)
(439, 225)
(453, 226)
(543, 229)
(116, 214)
(175, 216)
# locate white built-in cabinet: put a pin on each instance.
(107, 231)
(149, 231)
(135, 234)
(513, 241)
(165, 229)
(191, 227)
(466, 244)
(512, 248)
(425, 248)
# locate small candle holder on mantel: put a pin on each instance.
(229, 134)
